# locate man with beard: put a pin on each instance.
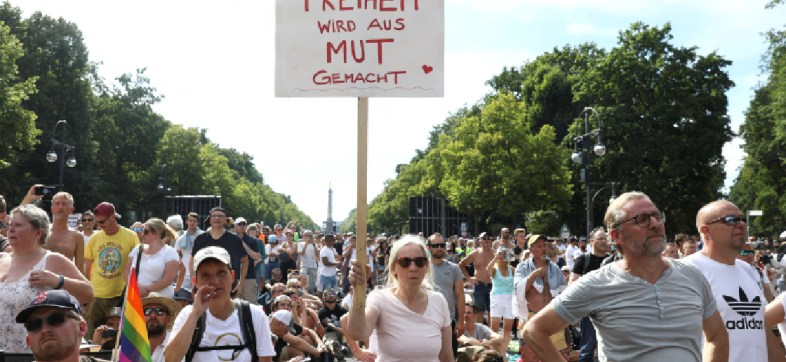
(450, 281)
(160, 313)
(55, 327)
(61, 238)
(644, 306)
(734, 282)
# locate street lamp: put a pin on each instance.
(52, 156)
(165, 187)
(581, 155)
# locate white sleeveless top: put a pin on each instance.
(15, 296)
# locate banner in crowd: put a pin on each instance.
(360, 48)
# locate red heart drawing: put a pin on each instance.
(427, 69)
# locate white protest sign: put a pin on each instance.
(360, 48)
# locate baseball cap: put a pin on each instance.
(50, 298)
(212, 252)
(240, 219)
(104, 209)
(285, 316)
(272, 239)
(329, 294)
(535, 238)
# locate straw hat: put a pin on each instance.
(170, 304)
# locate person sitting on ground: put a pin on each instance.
(331, 309)
(477, 336)
(304, 314)
(284, 302)
(288, 346)
(105, 335)
(55, 327)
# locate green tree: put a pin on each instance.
(761, 183)
(18, 123)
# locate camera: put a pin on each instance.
(45, 191)
(109, 333)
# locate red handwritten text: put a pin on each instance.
(336, 26)
(357, 48)
(322, 77)
(386, 24)
(349, 5)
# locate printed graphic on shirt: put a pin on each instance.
(744, 308)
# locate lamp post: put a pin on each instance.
(52, 156)
(582, 156)
(165, 188)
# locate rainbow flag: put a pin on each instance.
(134, 345)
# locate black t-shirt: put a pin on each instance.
(229, 241)
(594, 263)
(339, 246)
(334, 315)
(252, 244)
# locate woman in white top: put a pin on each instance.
(412, 322)
(158, 268)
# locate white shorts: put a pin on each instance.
(502, 306)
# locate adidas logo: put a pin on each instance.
(744, 308)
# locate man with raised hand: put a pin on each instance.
(644, 307)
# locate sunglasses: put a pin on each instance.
(158, 311)
(137, 229)
(87, 220)
(240, 223)
(437, 245)
(728, 220)
(746, 252)
(148, 231)
(101, 221)
(406, 262)
(53, 320)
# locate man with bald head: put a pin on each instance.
(734, 282)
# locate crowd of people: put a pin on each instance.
(240, 291)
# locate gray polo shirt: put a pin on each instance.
(639, 321)
(446, 275)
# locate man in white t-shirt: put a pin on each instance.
(570, 250)
(327, 255)
(213, 277)
(734, 282)
(307, 262)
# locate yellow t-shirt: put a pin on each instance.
(109, 254)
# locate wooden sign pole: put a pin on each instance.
(359, 293)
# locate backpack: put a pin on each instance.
(246, 325)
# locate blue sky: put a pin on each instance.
(215, 61)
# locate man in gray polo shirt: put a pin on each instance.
(644, 307)
(450, 280)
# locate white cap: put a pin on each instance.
(284, 316)
(212, 252)
(240, 219)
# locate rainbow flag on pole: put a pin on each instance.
(134, 345)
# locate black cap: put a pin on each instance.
(51, 298)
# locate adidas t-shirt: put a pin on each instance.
(740, 303)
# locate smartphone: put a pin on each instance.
(109, 333)
(45, 190)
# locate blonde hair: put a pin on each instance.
(392, 281)
(161, 228)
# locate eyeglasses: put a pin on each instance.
(53, 320)
(730, 220)
(406, 262)
(242, 223)
(643, 220)
(158, 311)
(746, 252)
(87, 220)
(148, 231)
(437, 245)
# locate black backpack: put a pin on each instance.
(246, 325)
